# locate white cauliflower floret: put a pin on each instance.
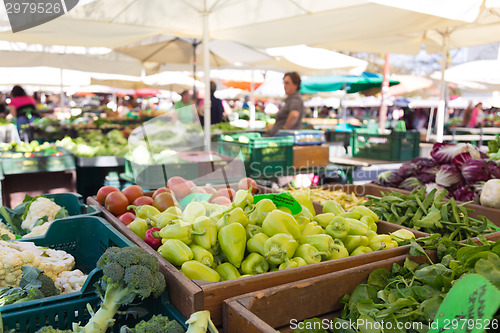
(39, 230)
(70, 281)
(13, 255)
(490, 195)
(39, 208)
(5, 231)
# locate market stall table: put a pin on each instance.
(351, 164)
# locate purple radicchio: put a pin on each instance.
(407, 170)
(427, 175)
(389, 178)
(444, 153)
(460, 159)
(494, 169)
(410, 184)
(464, 193)
(424, 162)
(448, 176)
(475, 171)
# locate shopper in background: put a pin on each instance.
(292, 111)
(216, 109)
(473, 117)
(184, 109)
(23, 107)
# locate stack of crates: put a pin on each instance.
(396, 146)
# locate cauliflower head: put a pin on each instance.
(490, 195)
(38, 209)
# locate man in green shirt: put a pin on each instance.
(184, 109)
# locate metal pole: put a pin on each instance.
(206, 68)
(429, 124)
(252, 101)
(382, 116)
(442, 100)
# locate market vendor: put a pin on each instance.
(23, 107)
(292, 111)
(185, 109)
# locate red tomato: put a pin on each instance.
(103, 193)
(132, 192)
(126, 218)
(116, 202)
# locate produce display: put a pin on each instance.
(428, 212)
(321, 195)
(32, 218)
(225, 127)
(461, 169)
(413, 292)
(95, 144)
(33, 147)
(213, 242)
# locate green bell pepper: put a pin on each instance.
(227, 271)
(182, 231)
(324, 219)
(289, 263)
(254, 263)
(305, 213)
(176, 252)
(402, 235)
(351, 215)
(144, 211)
(278, 222)
(361, 250)
(304, 199)
(202, 255)
(285, 209)
(204, 232)
(380, 242)
(233, 240)
(242, 199)
(262, 208)
(252, 230)
(309, 253)
(332, 206)
(365, 211)
(300, 262)
(195, 270)
(257, 242)
(237, 215)
(312, 228)
(193, 210)
(170, 216)
(353, 241)
(139, 226)
(357, 227)
(323, 243)
(340, 252)
(278, 247)
(338, 228)
(371, 234)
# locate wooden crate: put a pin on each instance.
(273, 309)
(190, 296)
(492, 214)
(311, 156)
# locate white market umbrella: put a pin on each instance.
(474, 76)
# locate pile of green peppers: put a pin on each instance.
(218, 243)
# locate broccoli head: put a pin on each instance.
(128, 273)
(157, 324)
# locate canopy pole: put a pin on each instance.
(252, 101)
(206, 68)
(442, 96)
(382, 116)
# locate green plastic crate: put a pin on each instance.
(84, 237)
(263, 156)
(18, 163)
(61, 313)
(334, 136)
(73, 202)
(396, 146)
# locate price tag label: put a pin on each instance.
(194, 197)
(284, 199)
(468, 307)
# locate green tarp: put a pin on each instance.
(352, 83)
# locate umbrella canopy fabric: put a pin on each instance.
(242, 85)
(408, 83)
(481, 75)
(172, 81)
(350, 83)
